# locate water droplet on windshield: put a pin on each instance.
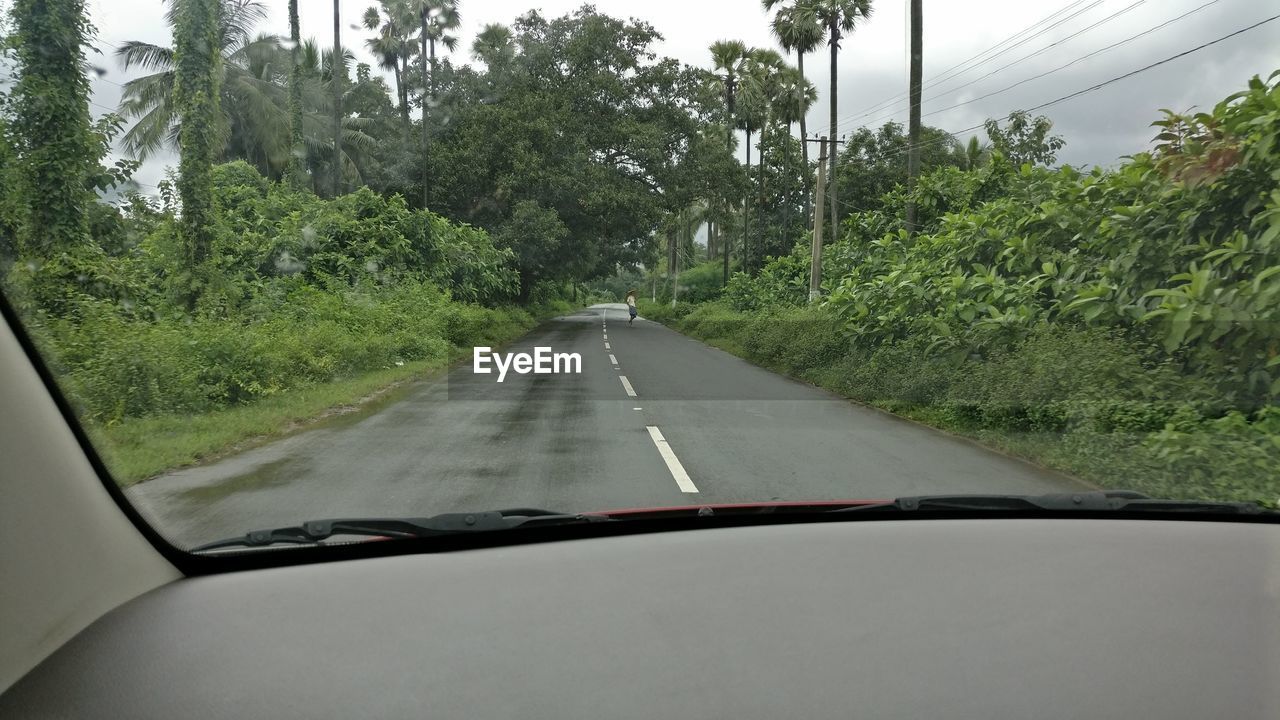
(287, 264)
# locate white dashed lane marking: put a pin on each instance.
(626, 385)
(673, 462)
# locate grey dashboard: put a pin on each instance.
(885, 619)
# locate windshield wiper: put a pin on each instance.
(1110, 500)
(313, 532)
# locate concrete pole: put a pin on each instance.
(815, 264)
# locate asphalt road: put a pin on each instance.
(702, 427)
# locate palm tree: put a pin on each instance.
(913, 121)
(295, 96)
(250, 104)
(795, 96)
(337, 98)
(321, 85)
(796, 29)
(760, 90)
(394, 20)
(436, 19)
(729, 57)
(975, 154)
(492, 46)
(838, 17)
(255, 123)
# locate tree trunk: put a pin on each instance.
(760, 194)
(727, 241)
(51, 116)
(913, 132)
(804, 150)
(402, 100)
(421, 63)
(337, 72)
(831, 179)
(294, 169)
(197, 81)
(746, 209)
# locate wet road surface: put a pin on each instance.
(654, 418)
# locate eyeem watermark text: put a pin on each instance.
(542, 362)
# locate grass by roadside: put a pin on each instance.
(136, 449)
(140, 448)
(1076, 401)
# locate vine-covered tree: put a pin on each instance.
(54, 143)
(196, 87)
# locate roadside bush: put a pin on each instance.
(701, 283)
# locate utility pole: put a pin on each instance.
(675, 261)
(815, 263)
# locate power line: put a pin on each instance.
(952, 134)
(1099, 51)
(948, 74)
(1024, 58)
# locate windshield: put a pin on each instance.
(403, 258)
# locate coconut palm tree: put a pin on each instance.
(295, 96)
(337, 79)
(255, 123)
(251, 104)
(355, 148)
(797, 30)
(837, 17)
(394, 46)
(975, 154)
(729, 57)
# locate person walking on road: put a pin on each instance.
(631, 305)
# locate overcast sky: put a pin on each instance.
(1099, 127)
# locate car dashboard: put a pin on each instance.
(1007, 618)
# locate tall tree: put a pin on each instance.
(492, 47)
(251, 102)
(394, 22)
(296, 150)
(51, 122)
(913, 121)
(762, 86)
(196, 88)
(729, 57)
(838, 17)
(339, 70)
(795, 96)
(438, 18)
(797, 30)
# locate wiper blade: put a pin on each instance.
(313, 532)
(1111, 500)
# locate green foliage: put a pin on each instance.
(873, 163)
(701, 283)
(1119, 325)
(1185, 264)
(197, 77)
(52, 144)
(1024, 139)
